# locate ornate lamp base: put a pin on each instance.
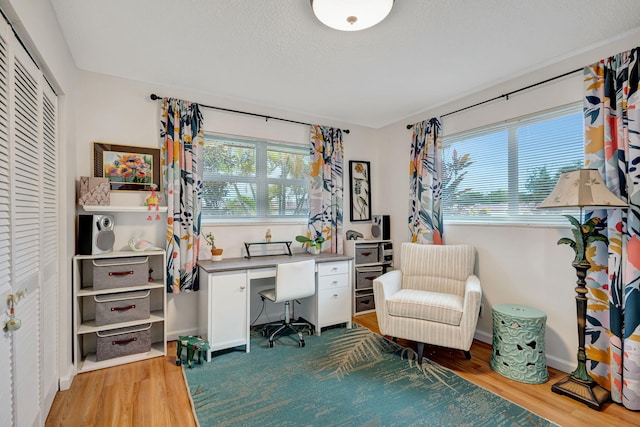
(589, 393)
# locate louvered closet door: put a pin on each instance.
(6, 340)
(49, 236)
(28, 235)
(26, 98)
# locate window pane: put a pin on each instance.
(502, 172)
(288, 200)
(288, 164)
(229, 199)
(252, 179)
(229, 158)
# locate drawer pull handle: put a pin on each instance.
(371, 277)
(124, 342)
(335, 282)
(335, 295)
(129, 307)
(366, 253)
(120, 273)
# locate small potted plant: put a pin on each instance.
(216, 254)
(314, 245)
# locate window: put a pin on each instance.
(500, 173)
(254, 180)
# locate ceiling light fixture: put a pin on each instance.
(351, 15)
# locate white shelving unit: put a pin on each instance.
(84, 327)
(119, 209)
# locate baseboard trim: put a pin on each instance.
(173, 335)
(67, 378)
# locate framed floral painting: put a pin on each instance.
(127, 168)
(360, 190)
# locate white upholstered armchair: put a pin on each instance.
(434, 297)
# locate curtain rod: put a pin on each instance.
(155, 97)
(506, 95)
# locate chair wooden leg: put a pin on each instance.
(420, 348)
(467, 354)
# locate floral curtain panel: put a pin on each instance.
(612, 145)
(182, 152)
(425, 185)
(327, 186)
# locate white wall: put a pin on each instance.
(119, 111)
(517, 264)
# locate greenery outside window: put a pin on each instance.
(500, 173)
(254, 180)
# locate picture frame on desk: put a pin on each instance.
(127, 168)
(359, 190)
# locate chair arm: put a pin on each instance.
(472, 298)
(383, 287)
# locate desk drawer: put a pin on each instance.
(333, 281)
(326, 268)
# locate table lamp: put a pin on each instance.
(582, 188)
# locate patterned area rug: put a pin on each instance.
(346, 377)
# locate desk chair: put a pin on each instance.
(294, 280)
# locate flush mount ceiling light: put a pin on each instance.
(351, 15)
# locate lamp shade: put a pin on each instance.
(351, 15)
(582, 188)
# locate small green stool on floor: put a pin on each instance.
(196, 346)
(518, 343)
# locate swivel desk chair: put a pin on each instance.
(294, 280)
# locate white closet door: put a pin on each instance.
(50, 238)
(25, 130)
(6, 339)
(29, 236)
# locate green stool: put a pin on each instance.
(196, 347)
(518, 343)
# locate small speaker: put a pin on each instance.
(95, 234)
(381, 228)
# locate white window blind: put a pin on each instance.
(500, 173)
(248, 179)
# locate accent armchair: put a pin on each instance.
(434, 297)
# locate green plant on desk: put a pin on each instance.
(317, 242)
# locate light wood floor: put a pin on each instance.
(153, 392)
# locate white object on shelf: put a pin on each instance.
(120, 209)
(84, 326)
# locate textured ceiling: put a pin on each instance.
(276, 54)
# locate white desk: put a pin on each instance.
(228, 290)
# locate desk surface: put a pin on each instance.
(240, 263)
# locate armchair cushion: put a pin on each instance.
(423, 305)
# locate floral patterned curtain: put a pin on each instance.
(612, 145)
(425, 185)
(327, 183)
(182, 151)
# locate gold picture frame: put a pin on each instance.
(126, 167)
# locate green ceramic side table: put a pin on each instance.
(518, 343)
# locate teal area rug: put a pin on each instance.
(346, 377)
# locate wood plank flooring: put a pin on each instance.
(153, 392)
